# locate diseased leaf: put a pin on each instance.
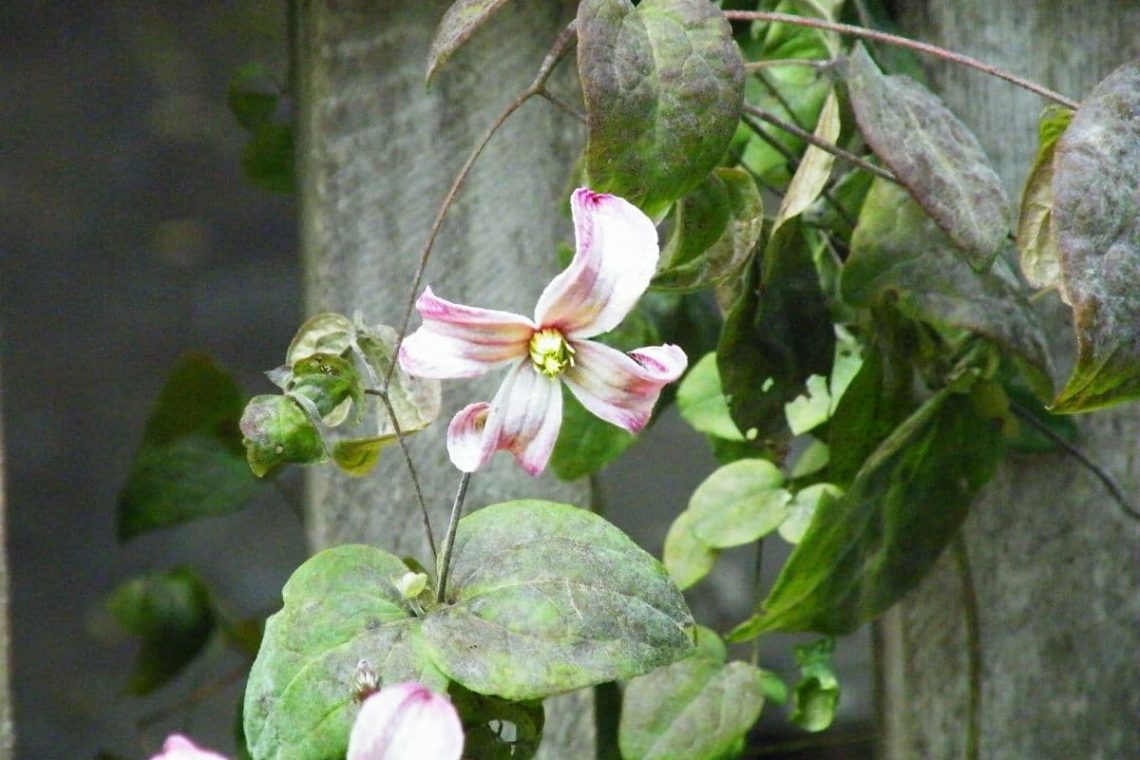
(815, 166)
(545, 598)
(1039, 257)
(278, 431)
(190, 463)
(686, 557)
(340, 607)
(1096, 224)
(934, 154)
(663, 85)
(324, 333)
(715, 228)
(866, 549)
(738, 503)
(897, 249)
(457, 25)
(173, 615)
(699, 708)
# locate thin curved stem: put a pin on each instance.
(449, 539)
(387, 402)
(894, 39)
(561, 45)
(973, 647)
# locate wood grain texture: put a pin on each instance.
(1055, 562)
(377, 153)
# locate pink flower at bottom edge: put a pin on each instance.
(406, 721)
(178, 747)
(616, 256)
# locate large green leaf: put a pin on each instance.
(898, 249)
(456, 27)
(545, 598)
(173, 615)
(934, 154)
(342, 606)
(777, 335)
(1096, 224)
(699, 708)
(1040, 261)
(866, 549)
(190, 463)
(663, 85)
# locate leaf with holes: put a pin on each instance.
(663, 85)
(1096, 224)
(934, 154)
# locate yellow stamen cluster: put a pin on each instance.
(550, 352)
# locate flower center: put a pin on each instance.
(550, 352)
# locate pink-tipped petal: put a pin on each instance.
(406, 722)
(616, 257)
(622, 388)
(462, 341)
(470, 443)
(178, 747)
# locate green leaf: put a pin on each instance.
(1039, 257)
(699, 708)
(253, 96)
(358, 456)
(456, 27)
(817, 694)
(777, 334)
(934, 154)
(340, 607)
(173, 615)
(268, 158)
(190, 463)
(715, 227)
(545, 598)
(701, 401)
(1096, 224)
(324, 333)
(278, 431)
(738, 504)
(803, 507)
(897, 249)
(663, 85)
(815, 166)
(865, 550)
(331, 383)
(415, 400)
(496, 728)
(686, 557)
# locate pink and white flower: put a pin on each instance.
(616, 257)
(406, 721)
(178, 747)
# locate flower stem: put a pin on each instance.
(894, 39)
(444, 561)
(383, 396)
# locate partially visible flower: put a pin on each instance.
(616, 257)
(406, 721)
(178, 747)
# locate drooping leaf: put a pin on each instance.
(497, 728)
(934, 154)
(898, 249)
(1096, 224)
(456, 27)
(173, 615)
(815, 166)
(278, 431)
(340, 607)
(545, 598)
(817, 694)
(715, 228)
(190, 463)
(699, 708)
(331, 383)
(701, 401)
(686, 557)
(1039, 257)
(663, 85)
(777, 335)
(739, 503)
(866, 549)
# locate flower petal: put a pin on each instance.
(462, 341)
(622, 388)
(178, 747)
(406, 722)
(523, 418)
(616, 257)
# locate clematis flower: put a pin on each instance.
(615, 258)
(178, 747)
(406, 722)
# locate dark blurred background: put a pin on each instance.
(129, 236)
